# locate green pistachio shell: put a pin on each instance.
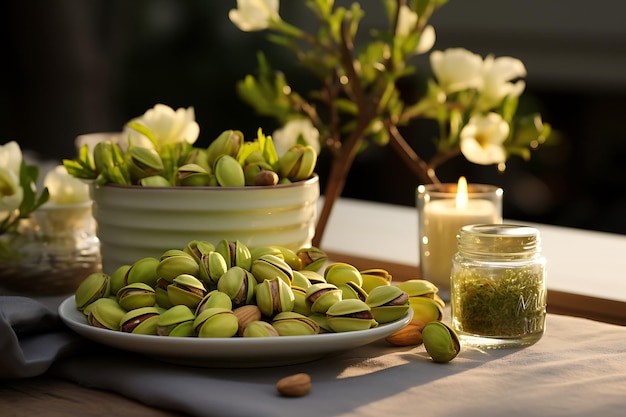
(143, 270)
(290, 257)
(298, 162)
(300, 305)
(228, 172)
(136, 295)
(425, 309)
(274, 296)
(259, 328)
(93, 287)
(228, 142)
(321, 321)
(105, 313)
(172, 266)
(387, 295)
(293, 324)
(352, 290)
(117, 278)
(258, 251)
(213, 299)
(197, 248)
(193, 175)
(373, 278)
(140, 321)
(312, 276)
(212, 267)
(216, 322)
(172, 252)
(300, 280)
(239, 284)
(235, 253)
(312, 259)
(182, 330)
(418, 287)
(321, 296)
(186, 290)
(270, 266)
(350, 315)
(173, 317)
(143, 162)
(160, 290)
(339, 273)
(441, 342)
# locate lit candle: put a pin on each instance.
(442, 219)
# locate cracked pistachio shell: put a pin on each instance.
(176, 264)
(116, 280)
(106, 314)
(235, 253)
(160, 291)
(143, 162)
(298, 162)
(193, 175)
(213, 299)
(339, 273)
(321, 296)
(258, 251)
(270, 266)
(418, 287)
(228, 142)
(274, 296)
(352, 290)
(259, 328)
(259, 174)
(387, 295)
(321, 321)
(187, 290)
(312, 259)
(176, 321)
(216, 322)
(300, 305)
(140, 321)
(312, 276)
(212, 267)
(197, 248)
(300, 280)
(143, 270)
(290, 257)
(425, 309)
(350, 315)
(289, 323)
(239, 284)
(93, 287)
(441, 342)
(136, 295)
(373, 278)
(228, 172)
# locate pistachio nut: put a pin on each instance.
(197, 248)
(295, 385)
(257, 251)
(143, 270)
(266, 177)
(388, 303)
(270, 266)
(259, 328)
(375, 278)
(352, 290)
(441, 341)
(312, 259)
(418, 288)
(212, 267)
(239, 284)
(409, 335)
(143, 162)
(117, 278)
(274, 296)
(245, 315)
(321, 321)
(187, 290)
(140, 321)
(154, 181)
(170, 267)
(160, 291)
(105, 313)
(136, 295)
(298, 162)
(321, 296)
(289, 323)
(300, 305)
(350, 315)
(193, 175)
(214, 298)
(176, 321)
(228, 142)
(229, 172)
(93, 287)
(340, 272)
(235, 253)
(290, 257)
(300, 280)
(216, 322)
(259, 173)
(313, 276)
(425, 309)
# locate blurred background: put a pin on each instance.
(80, 66)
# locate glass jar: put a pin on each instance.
(498, 286)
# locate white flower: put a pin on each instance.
(166, 125)
(457, 69)
(292, 132)
(427, 40)
(482, 138)
(65, 189)
(407, 19)
(497, 74)
(11, 192)
(254, 15)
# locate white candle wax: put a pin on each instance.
(442, 221)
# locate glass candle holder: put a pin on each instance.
(498, 296)
(442, 210)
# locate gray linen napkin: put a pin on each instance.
(31, 337)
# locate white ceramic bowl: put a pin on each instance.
(136, 222)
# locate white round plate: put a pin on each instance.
(233, 352)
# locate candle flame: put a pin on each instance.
(461, 193)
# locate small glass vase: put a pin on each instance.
(51, 252)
